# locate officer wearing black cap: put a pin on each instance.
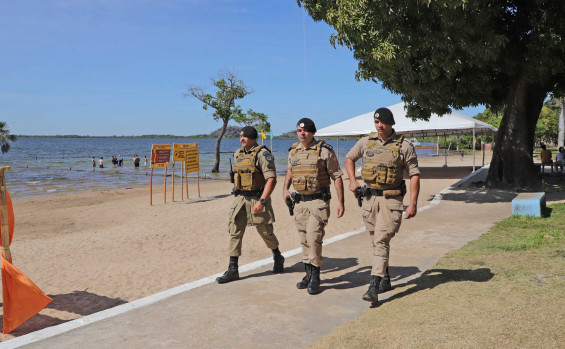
(311, 166)
(254, 181)
(386, 157)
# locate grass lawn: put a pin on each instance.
(504, 290)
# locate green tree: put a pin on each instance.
(547, 128)
(229, 89)
(5, 137)
(493, 118)
(442, 54)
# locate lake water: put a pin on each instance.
(52, 166)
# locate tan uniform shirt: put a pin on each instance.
(328, 155)
(407, 152)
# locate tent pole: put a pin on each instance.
(338, 149)
(483, 145)
(445, 153)
(437, 148)
(473, 148)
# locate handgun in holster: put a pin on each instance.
(362, 192)
(290, 205)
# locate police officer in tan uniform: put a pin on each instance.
(386, 156)
(254, 181)
(311, 164)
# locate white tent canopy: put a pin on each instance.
(449, 124)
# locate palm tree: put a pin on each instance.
(5, 138)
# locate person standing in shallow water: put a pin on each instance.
(254, 180)
(386, 155)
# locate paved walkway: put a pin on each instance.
(263, 310)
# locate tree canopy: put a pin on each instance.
(505, 54)
(229, 89)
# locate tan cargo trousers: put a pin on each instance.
(241, 216)
(382, 217)
(310, 218)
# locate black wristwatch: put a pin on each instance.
(262, 201)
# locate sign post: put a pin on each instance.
(160, 157)
(178, 155)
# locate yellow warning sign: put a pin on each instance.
(179, 150)
(191, 158)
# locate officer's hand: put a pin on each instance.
(411, 211)
(285, 194)
(340, 209)
(258, 207)
(353, 185)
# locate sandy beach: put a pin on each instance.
(93, 251)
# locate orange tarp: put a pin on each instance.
(22, 299)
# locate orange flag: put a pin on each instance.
(21, 298)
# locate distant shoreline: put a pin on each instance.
(165, 137)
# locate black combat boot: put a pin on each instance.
(385, 285)
(314, 284)
(372, 293)
(231, 274)
(306, 280)
(278, 266)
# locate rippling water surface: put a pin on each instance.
(51, 165)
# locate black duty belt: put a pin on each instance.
(375, 192)
(310, 197)
(248, 193)
(324, 195)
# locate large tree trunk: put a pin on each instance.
(216, 168)
(561, 135)
(512, 164)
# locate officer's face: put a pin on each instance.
(304, 136)
(247, 143)
(383, 129)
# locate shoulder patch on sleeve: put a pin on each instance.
(268, 156)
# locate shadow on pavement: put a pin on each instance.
(330, 265)
(435, 277)
(479, 195)
(66, 307)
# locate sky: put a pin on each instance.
(113, 67)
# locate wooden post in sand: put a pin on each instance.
(4, 215)
(165, 187)
(151, 188)
(182, 183)
(173, 179)
(186, 179)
